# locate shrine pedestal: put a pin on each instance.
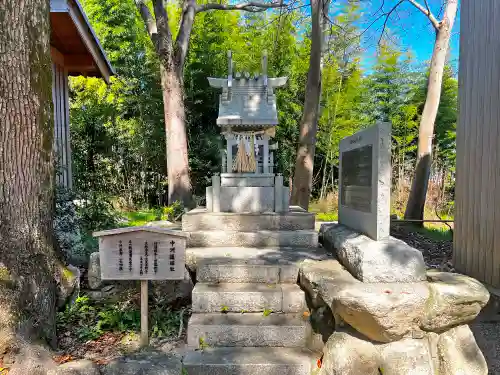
(247, 192)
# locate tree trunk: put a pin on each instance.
(416, 200)
(304, 163)
(179, 183)
(27, 256)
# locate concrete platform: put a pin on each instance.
(248, 297)
(201, 220)
(261, 238)
(249, 329)
(249, 361)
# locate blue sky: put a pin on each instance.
(408, 27)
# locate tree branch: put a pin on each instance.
(185, 28)
(164, 39)
(387, 16)
(427, 12)
(251, 6)
(148, 19)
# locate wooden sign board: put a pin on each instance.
(142, 253)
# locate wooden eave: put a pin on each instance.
(74, 43)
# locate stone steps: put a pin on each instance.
(248, 297)
(249, 361)
(249, 329)
(201, 220)
(261, 238)
(247, 273)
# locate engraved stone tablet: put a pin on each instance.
(365, 181)
(142, 253)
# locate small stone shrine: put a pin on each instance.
(247, 117)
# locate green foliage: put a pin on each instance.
(68, 227)
(202, 344)
(88, 320)
(267, 312)
(118, 135)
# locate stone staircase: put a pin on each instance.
(248, 311)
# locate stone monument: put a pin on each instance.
(365, 181)
(247, 117)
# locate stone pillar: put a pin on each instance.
(223, 161)
(216, 193)
(265, 157)
(278, 193)
(229, 157)
(271, 162)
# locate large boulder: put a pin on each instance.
(454, 300)
(385, 261)
(80, 367)
(171, 290)
(318, 278)
(459, 353)
(382, 312)
(145, 363)
(94, 272)
(406, 357)
(347, 353)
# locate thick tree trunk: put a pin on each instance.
(27, 257)
(304, 163)
(418, 193)
(179, 183)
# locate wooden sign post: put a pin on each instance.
(142, 253)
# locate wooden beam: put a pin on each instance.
(57, 57)
(82, 63)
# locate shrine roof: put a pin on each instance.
(247, 100)
(160, 230)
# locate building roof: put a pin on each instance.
(160, 230)
(247, 100)
(74, 43)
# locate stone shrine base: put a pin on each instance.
(414, 322)
(247, 193)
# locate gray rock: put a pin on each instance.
(161, 224)
(459, 353)
(81, 367)
(94, 271)
(68, 286)
(386, 261)
(382, 312)
(454, 299)
(170, 290)
(32, 359)
(146, 363)
(347, 353)
(319, 278)
(406, 357)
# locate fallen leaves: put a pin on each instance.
(60, 359)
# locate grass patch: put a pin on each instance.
(436, 233)
(327, 216)
(142, 217)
